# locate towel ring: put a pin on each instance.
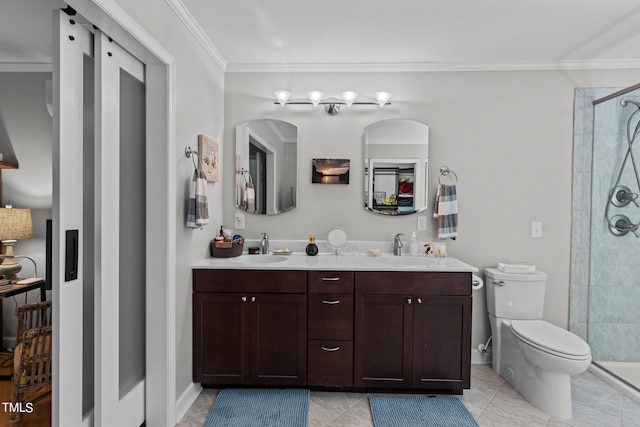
(188, 152)
(445, 171)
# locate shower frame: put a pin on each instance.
(580, 274)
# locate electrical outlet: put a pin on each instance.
(238, 221)
(536, 229)
(422, 222)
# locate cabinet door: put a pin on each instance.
(278, 339)
(220, 339)
(441, 342)
(383, 341)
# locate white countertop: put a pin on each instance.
(330, 261)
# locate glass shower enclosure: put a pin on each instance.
(606, 230)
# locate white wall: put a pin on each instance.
(507, 135)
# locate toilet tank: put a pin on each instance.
(515, 296)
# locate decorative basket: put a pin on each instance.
(226, 249)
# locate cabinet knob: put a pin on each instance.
(253, 299)
(244, 299)
(409, 300)
(330, 279)
(419, 300)
(331, 302)
(330, 349)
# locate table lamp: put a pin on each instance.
(15, 224)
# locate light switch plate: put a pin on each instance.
(536, 229)
(422, 222)
(238, 221)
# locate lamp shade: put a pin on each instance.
(15, 224)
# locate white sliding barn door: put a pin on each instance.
(100, 230)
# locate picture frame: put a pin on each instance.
(209, 157)
(330, 171)
(379, 196)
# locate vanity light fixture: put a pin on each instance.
(332, 105)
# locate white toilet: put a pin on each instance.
(535, 357)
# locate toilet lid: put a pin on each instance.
(550, 338)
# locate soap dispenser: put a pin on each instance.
(413, 244)
(312, 248)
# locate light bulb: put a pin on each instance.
(349, 96)
(315, 97)
(382, 98)
(282, 96)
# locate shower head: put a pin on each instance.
(624, 102)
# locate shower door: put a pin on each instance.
(614, 271)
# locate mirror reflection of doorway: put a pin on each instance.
(258, 172)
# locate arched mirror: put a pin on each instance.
(396, 160)
(266, 166)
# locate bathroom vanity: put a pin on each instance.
(348, 322)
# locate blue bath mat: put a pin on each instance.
(422, 411)
(236, 407)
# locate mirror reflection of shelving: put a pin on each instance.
(392, 186)
(396, 158)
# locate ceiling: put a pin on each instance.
(277, 35)
(253, 35)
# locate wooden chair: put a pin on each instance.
(32, 356)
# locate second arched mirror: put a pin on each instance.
(266, 166)
(396, 167)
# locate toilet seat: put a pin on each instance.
(551, 339)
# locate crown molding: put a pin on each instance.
(195, 29)
(433, 67)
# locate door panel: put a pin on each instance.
(120, 248)
(383, 330)
(278, 339)
(72, 51)
(441, 347)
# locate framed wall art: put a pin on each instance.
(330, 171)
(209, 157)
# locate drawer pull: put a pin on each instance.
(330, 279)
(244, 299)
(331, 302)
(330, 349)
(409, 300)
(253, 299)
(419, 300)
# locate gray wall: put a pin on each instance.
(28, 125)
(507, 135)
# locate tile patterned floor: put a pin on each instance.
(492, 402)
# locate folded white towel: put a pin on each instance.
(516, 268)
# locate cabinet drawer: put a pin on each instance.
(330, 363)
(412, 283)
(330, 316)
(256, 281)
(331, 282)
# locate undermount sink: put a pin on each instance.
(258, 259)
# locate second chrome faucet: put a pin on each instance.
(397, 244)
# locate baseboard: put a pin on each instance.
(481, 358)
(186, 399)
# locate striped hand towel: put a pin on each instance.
(446, 211)
(198, 212)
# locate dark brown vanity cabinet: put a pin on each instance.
(330, 328)
(412, 330)
(250, 327)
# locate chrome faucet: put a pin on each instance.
(264, 244)
(397, 244)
